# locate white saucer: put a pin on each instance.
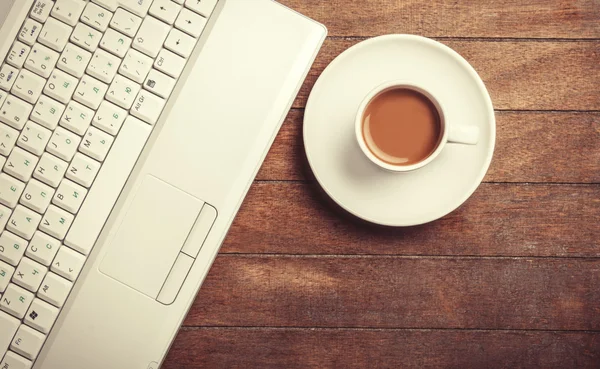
(358, 185)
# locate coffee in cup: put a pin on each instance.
(401, 127)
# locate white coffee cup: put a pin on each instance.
(451, 132)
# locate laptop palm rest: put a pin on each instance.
(151, 236)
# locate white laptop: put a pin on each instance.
(130, 132)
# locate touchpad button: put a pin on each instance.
(150, 236)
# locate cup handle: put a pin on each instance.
(467, 135)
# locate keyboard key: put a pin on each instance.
(109, 118)
(169, 63)
(151, 36)
(41, 60)
(6, 273)
(77, 117)
(96, 16)
(108, 185)
(23, 222)
(8, 138)
(10, 190)
(49, 170)
(115, 42)
(202, 7)
(18, 54)
(41, 316)
(68, 263)
(137, 7)
(56, 222)
(165, 10)
(90, 92)
(83, 170)
(125, 22)
(37, 195)
(20, 164)
(27, 342)
(86, 37)
(14, 361)
(54, 289)
(135, 66)
(34, 138)
(69, 196)
(3, 96)
(63, 144)
(8, 74)
(16, 301)
(122, 92)
(28, 86)
(60, 86)
(8, 328)
(42, 248)
(30, 31)
(148, 107)
(55, 34)
(12, 248)
(47, 112)
(68, 11)
(40, 12)
(74, 60)
(96, 143)
(103, 66)
(180, 43)
(190, 23)
(29, 274)
(159, 83)
(15, 112)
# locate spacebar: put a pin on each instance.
(108, 185)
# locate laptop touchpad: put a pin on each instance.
(150, 236)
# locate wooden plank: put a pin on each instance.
(523, 150)
(500, 219)
(350, 348)
(520, 75)
(463, 18)
(400, 292)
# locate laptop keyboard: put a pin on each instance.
(80, 90)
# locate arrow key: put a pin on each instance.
(68, 263)
(165, 10)
(180, 43)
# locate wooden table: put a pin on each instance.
(511, 279)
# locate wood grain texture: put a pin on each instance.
(520, 75)
(499, 219)
(400, 292)
(357, 348)
(530, 147)
(462, 18)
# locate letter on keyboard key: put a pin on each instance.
(10, 190)
(27, 342)
(86, 37)
(83, 170)
(20, 164)
(14, 361)
(29, 274)
(60, 86)
(8, 138)
(63, 143)
(115, 42)
(148, 107)
(34, 138)
(125, 22)
(16, 301)
(8, 328)
(54, 289)
(74, 60)
(37, 196)
(69, 196)
(47, 112)
(108, 185)
(95, 16)
(42, 248)
(41, 60)
(23, 222)
(96, 143)
(12, 248)
(77, 117)
(55, 34)
(56, 222)
(90, 92)
(28, 86)
(49, 170)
